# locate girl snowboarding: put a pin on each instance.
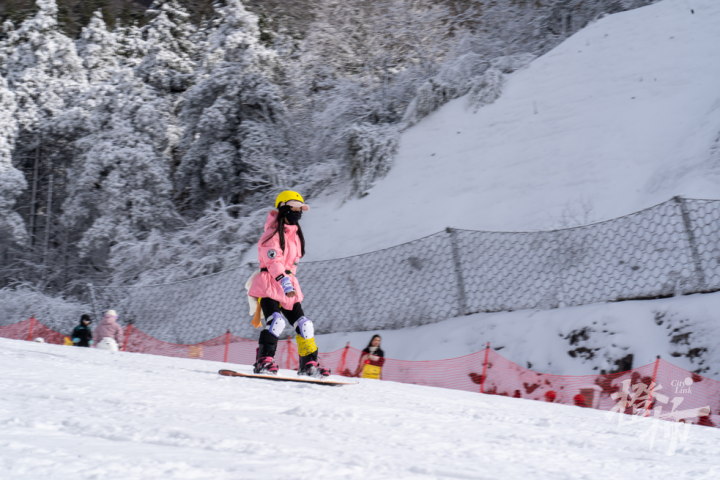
(279, 251)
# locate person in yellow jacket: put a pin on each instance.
(372, 359)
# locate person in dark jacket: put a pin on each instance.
(82, 335)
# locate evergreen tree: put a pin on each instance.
(233, 141)
(41, 66)
(132, 48)
(119, 185)
(12, 181)
(98, 48)
(169, 63)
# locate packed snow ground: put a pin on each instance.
(542, 339)
(623, 115)
(74, 413)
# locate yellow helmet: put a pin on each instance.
(289, 195)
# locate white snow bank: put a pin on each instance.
(628, 113)
(74, 413)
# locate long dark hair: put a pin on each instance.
(280, 230)
(371, 340)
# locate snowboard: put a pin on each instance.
(231, 373)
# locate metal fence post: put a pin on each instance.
(344, 358)
(48, 217)
(693, 243)
(485, 364)
(33, 209)
(93, 301)
(127, 337)
(652, 387)
(462, 297)
(30, 330)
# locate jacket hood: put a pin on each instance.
(108, 320)
(271, 222)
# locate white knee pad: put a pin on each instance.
(276, 325)
(305, 328)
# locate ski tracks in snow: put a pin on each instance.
(82, 413)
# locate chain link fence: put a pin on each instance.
(670, 249)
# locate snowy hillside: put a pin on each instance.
(623, 115)
(584, 340)
(71, 413)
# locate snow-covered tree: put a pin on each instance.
(233, 117)
(120, 184)
(487, 89)
(216, 241)
(132, 48)
(340, 41)
(358, 69)
(98, 48)
(23, 301)
(373, 40)
(370, 152)
(12, 181)
(41, 66)
(169, 63)
(5, 30)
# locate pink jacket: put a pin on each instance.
(109, 328)
(277, 262)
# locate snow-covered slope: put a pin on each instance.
(621, 116)
(72, 413)
(581, 340)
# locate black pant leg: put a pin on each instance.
(294, 315)
(268, 343)
(269, 306)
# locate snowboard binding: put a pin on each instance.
(265, 366)
(313, 369)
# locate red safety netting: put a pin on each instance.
(658, 389)
(31, 329)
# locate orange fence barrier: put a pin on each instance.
(659, 389)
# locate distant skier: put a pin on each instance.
(109, 328)
(82, 335)
(279, 250)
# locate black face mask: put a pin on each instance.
(293, 217)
